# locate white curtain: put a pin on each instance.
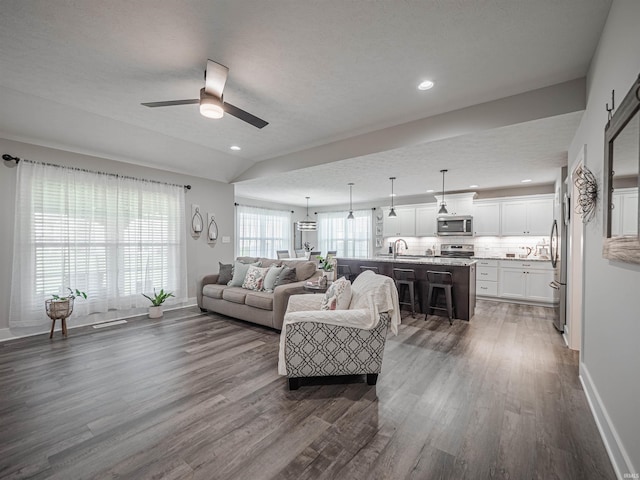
(351, 238)
(260, 232)
(111, 237)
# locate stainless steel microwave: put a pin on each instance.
(455, 225)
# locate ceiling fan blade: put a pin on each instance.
(171, 103)
(214, 78)
(244, 116)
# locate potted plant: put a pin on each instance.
(60, 307)
(155, 310)
(326, 264)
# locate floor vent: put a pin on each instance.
(109, 324)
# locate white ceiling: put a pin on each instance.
(319, 72)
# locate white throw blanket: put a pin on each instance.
(371, 295)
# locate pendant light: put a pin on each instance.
(443, 204)
(392, 212)
(350, 216)
(307, 225)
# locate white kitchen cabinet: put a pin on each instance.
(487, 278)
(526, 281)
(402, 225)
(522, 217)
(486, 218)
(426, 225)
(624, 216)
(457, 203)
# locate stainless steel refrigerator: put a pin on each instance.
(558, 252)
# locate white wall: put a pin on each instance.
(212, 196)
(610, 357)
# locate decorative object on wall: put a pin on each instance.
(212, 229)
(443, 204)
(307, 225)
(197, 223)
(350, 216)
(392, 212)
(622, 164)
(587, 186)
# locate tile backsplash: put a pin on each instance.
(483, 246)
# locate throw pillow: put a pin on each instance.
(271, 277)
(239, 272)
(338, 296)
(254, 278)
(288, 275)
(225, 274)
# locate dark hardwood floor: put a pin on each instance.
(198, 396)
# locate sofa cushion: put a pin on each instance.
(271, 277)
(213, 290)
(304, 269)
(261, 300)
(338, 296)
(254, 279)
(239, 272)
(234, 294)
(267, 262)
(287, 275)
(225, 273)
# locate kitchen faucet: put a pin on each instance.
(395, 246)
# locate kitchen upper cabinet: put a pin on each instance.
(426, 225)
(458, 203)
(527, 217)
(624, 216)
(402, 225)
(486, 218)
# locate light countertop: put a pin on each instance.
(458, 262)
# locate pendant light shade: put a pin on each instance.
(392, 212)
(350, 216)
(443, 204)
(307, 225)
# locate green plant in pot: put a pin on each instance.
(60, 307)
(155, 310)
(326, 264)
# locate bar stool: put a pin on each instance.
(345, 271)
(406, 277)
(440, 281)
(373, 269)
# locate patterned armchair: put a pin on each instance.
(317, 343)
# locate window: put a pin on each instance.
(351, 238)
(112, 237)
(261, 231)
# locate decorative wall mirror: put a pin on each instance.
(622, 170)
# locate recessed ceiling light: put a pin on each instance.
(426, 85)
(235, 147)
(429, 191)
(526, 180)
(473, 186)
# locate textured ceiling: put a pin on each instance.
(491, 159)
(317, 71)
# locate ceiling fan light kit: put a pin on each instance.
(210, 106)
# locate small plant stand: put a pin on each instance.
(59, 310)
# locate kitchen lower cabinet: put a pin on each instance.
(527, 281)
(487, 278)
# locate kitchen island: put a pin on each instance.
(463, 271)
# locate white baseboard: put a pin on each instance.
(617, 453)
(5, 334)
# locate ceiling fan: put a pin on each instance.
(211, 102)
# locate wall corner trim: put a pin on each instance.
(612, 442)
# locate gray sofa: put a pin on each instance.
(263, 308)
